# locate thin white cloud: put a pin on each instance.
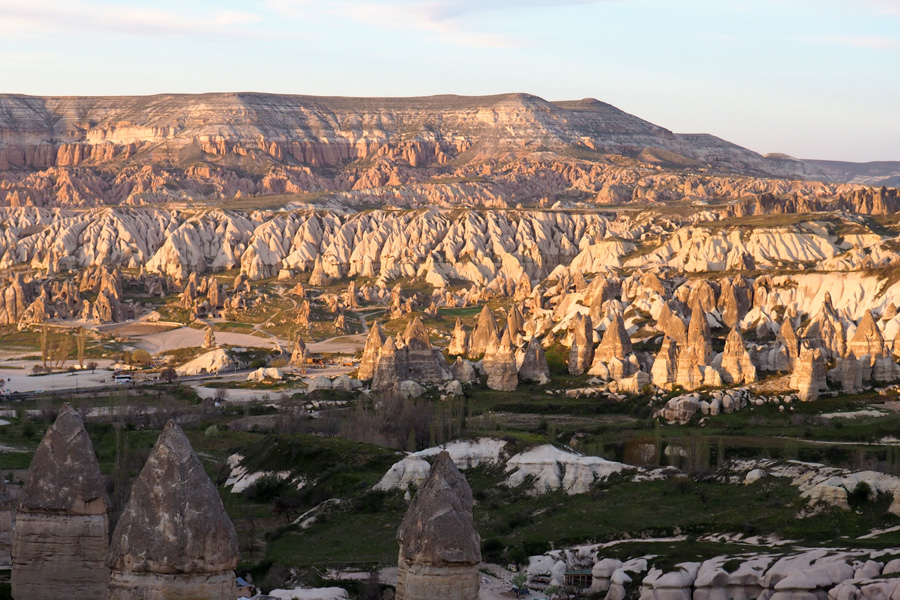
(449, 20)
(877, 42)
(78, 16)
(887, 7)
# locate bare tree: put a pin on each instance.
(45, 346)
(81, 342)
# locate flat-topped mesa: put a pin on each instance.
(439, 548)
(174, 540)
(459, 340)
(581, 354)
(5, 524)
(534, 365)
(500, 364)
(485, 328)
(371, 352)
(62, 529)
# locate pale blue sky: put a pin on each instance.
(812, 78)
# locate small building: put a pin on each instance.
(580, 579)
(244, 589)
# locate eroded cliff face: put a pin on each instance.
(441, 150)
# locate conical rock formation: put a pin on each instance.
(439, 547)
(459, 340)
(174, 541)
(485, 328)
(736, 364)
(500, 364)
(371, 352)
(62, 529)
(534, 366)
(5, 525)
(581, 354)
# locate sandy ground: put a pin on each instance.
(20, 379)
(342, 344)
(185, 337)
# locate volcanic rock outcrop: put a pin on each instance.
(534, 365)
(737, 368)
(174, 539)
(500, 364)
(5, 524)
(808, 377)
(581, 353)
(459, 340)
(485, 329)
(62, 529)
(439, 547)
(371, 352)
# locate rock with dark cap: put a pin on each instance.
(439, 547)
(62, 529)
(174, 539)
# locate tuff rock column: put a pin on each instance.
(62, 529)
(439, 547)
(5, 525)
(174, 540)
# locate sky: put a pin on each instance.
(809, 78)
